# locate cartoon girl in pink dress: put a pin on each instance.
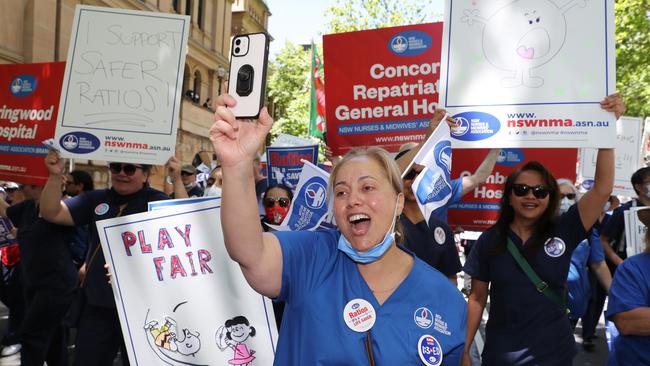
(233, 335)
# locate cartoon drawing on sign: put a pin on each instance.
(521, 36)
(170, 346)
(232, 335)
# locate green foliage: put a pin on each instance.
(352, 15)
(288, 90)
(633, 55)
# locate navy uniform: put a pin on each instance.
(433, 243)
(421, 323)
(49, 278)
(525, 327)
(614, 229)
(99, 335)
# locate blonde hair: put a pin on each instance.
(388, 165)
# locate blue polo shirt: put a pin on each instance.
(433, 243)
(318, 281)
(87, 209)
(525, 327)
(630, 290)
(588, 252)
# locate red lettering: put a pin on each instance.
(204, 257)
(144, 247)
(158, 261)
(164, 240)
(177, 267)
(189, 256)
(128, 238)
(185, 235)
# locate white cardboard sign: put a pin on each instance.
(121, 92)
(528, 73)
(626, 150)
(180, 298)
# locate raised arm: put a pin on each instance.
(475, 306)
(235, 143)
(481, 173)
(174, 172)
(591, 204)
(52, 208)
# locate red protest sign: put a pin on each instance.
(479, 209)
(30, 100)
(381, 85)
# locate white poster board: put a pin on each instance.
(528, 73)
(178, 293)
(626, 150)
(645, 142)
(635, 231)
(121, 92)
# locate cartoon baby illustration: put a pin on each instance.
(232, 335)
(522, 35)
(167, 337)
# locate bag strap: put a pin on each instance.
(540, 285)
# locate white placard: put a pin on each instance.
(121, 92)
(286, 140)
(636, 230)
(178, 293)
(645, 142)
(528, 73)
(628, 137)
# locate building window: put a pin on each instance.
(188, 7)
(200, 15)
(186, 82)
(176, 4)
(197, 86)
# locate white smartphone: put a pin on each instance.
(249, 54)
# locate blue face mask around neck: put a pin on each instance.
(374, 253)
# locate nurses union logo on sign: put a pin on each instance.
(23, 85)
(554, 247)
(315, 195)
(409, 43)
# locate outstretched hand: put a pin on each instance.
(54, 162)
(614, 103)
(234, 140)
(438, 116)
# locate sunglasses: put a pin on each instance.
(410, 175)
(186, 174)
(128, 169)
(570, 196)
(270, 202)
(521, 190)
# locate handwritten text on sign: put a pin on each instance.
(122, 89)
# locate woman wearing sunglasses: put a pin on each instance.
(276, 201)
(99, 335)
(353, 297)
(524, 261)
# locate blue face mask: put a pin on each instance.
(373, 253)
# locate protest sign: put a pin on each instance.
(309, 206)
(179, 295)
(30, 96)
(635, 230)
(159, 205)
(627, 154)
(432, 186)
(284, 139)
(519, 78)
(479, 209)
(645, 142)
(381, 85)
(284, 164)
(122, 88)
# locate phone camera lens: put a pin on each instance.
(238, 42)
(237, 50)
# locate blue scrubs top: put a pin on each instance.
(614, 229)
(433, 243)
(588, 252)
(630, 289)
(525, 327)
(318, 281)
(456, 195)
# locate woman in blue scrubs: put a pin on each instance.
(353, 296)
(629, 307)
(525, 326)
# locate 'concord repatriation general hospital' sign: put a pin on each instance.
(122, 88)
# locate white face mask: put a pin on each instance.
(212, 191)
(565, 204)
(647, 188)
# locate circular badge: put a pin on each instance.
(439, 235)
(359, 315)
(423, 318)
(430, 350)
(101, 209)
(554, 247)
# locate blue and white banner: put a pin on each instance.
(284, 163)
(159, 205)
(432, 187)
(309, 206)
